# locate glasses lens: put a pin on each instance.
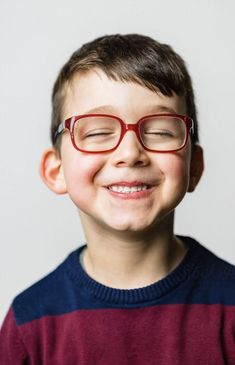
(163, 133)
(96, 133)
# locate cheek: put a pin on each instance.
(175, 169)
(80, 171)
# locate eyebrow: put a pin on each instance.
(152, 109)
(161, 109)
(102, 109)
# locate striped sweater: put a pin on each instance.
(67, 318)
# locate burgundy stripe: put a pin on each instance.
(163, 335)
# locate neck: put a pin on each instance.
(128, 260)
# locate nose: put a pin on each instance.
(130, 152)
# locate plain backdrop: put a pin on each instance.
(38, 228)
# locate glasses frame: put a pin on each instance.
(70, 123)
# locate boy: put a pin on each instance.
(124, 133)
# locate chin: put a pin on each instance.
(126, 226)
(142, 225)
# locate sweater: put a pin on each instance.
(68, 318)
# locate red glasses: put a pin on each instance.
(98, 133)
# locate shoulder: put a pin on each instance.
(46, 296)
(215, 276)
(207, 257)
(216, 266)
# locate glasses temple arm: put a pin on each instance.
(59, 130)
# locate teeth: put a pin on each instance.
(127, 189)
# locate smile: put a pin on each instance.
(128, 189)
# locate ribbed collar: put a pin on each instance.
(141, 295)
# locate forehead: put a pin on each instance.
(93, 92)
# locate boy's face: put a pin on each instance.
(87, 177)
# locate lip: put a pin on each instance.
(134, 195)
(129, 183)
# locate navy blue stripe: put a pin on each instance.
(201, 278)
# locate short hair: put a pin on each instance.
(128, 58)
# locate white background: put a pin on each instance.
(37, 228)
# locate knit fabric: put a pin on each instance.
(67, 318)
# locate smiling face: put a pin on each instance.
(129, 189)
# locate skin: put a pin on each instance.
(130, 242)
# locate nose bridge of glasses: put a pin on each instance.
(132, 128)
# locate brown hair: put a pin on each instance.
(133, 58)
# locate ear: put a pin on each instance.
(196, 167)
(51, 171)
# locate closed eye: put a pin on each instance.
(97, 133)
(160, 133)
